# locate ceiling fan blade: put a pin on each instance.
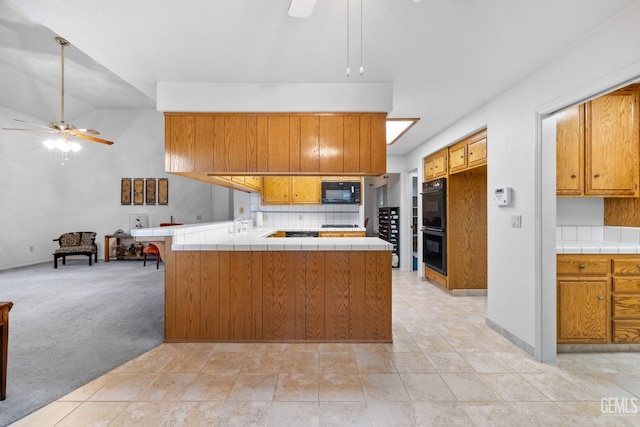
(90, 138)
(33, 124)
(89, 131)
(31, 130)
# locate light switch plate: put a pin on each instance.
(516, 221)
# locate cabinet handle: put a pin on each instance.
(471, 153)
(601, 298)
(582, 266)
(574, 176)
(596, 175)
(462, 157)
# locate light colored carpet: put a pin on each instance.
(71, 325)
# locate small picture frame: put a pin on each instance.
(150, 191)
(163, 191)
(138, 191)
(138, 221)
(125, 191)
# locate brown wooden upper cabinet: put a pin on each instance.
(277, 143)
(435, 165)
(598, 146)
(469, 153)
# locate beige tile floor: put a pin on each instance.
(445, 367)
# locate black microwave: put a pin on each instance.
(340, 193)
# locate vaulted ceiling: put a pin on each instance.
(444, 58)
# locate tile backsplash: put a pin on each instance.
(305, 215)
(598, 233)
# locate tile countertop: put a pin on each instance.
(597, 240)
(216, 237)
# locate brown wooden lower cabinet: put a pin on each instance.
(598, 299)
(278, 296)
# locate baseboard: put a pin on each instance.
(597, 348)
(516, 340)
(469, 292)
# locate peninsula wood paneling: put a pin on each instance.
(188, 295)
(338, 296)
(170, 286)
(309, 295)
(240, 311)
(210, 295)
(377, 296)
(278, 296)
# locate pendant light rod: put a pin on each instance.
(361, 43)
(348, 40)
(62, 43)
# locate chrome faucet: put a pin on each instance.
(238, 224)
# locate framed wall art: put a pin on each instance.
(150, 191)
(125, 191)
(163, 191)
(138, 191)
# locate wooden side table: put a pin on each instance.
(4, 346)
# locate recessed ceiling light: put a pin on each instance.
(301, 8)
(398, 127)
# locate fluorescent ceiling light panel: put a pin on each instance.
(398, 127)
(301, 8)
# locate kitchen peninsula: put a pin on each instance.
(248, 287)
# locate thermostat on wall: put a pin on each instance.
(502, 196)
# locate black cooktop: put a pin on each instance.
(339, 225)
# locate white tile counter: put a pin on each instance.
(217, 237)
(597, 240)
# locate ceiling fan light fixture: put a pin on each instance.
(301, 8)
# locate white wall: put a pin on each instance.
(604, 58)
(580, 211)
(40, 199)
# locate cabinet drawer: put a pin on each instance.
(621, 284)
(626, 266)
(582, 266)
(626, 306)
(626, 331)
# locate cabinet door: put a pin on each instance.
(440, 164)
(254, 182)
(458, 157)
(583, 311)
(612, 145)
(306, 190)
(570, 151)
(428, 170)
(331, 141)
(477, 153)
(276, 190)
(278, 146)
(179, 143)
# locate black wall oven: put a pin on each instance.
(434, 221)
(434, 250)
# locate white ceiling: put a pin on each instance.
(444, 57)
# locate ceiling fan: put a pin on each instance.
(64, 131)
